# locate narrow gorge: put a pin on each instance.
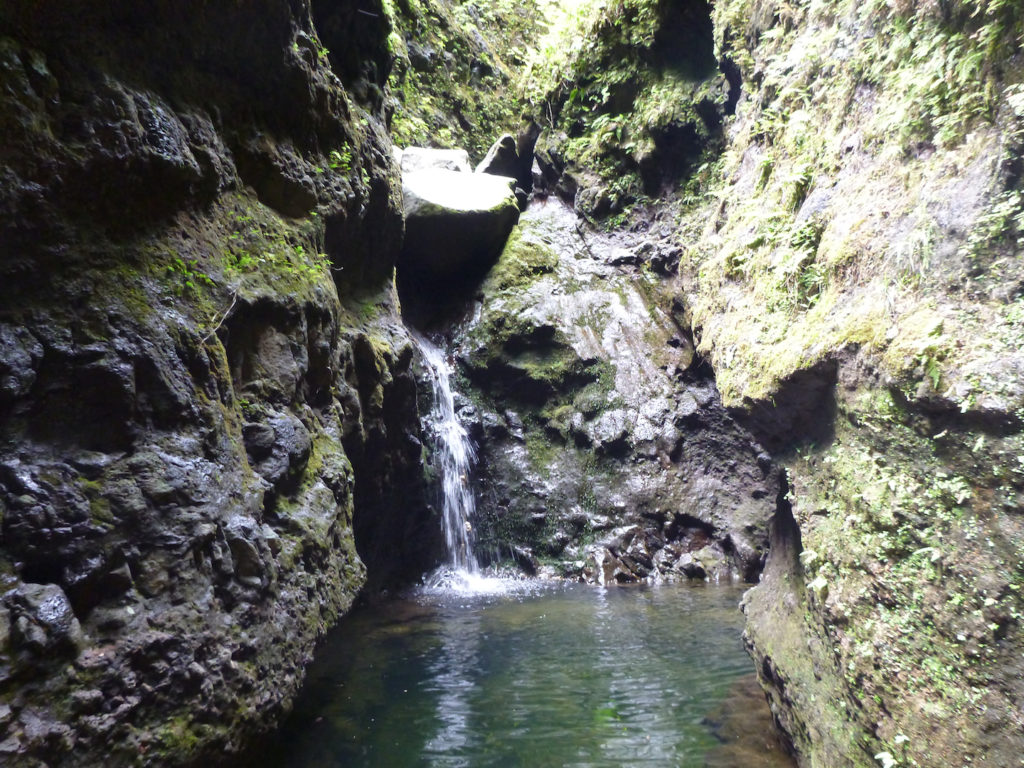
(676, 319)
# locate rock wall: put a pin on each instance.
(856, 284)
(849, 264)
(605, 452)
(207, 415)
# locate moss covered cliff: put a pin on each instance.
(850, 266)
(208, 422)
(209, 436)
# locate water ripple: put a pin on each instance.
(515, 673)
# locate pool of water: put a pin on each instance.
(537, 675)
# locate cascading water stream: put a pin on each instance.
(456, 455)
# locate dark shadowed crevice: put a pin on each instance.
(800, 413)
(936, 414)
(430, 301)
(354, 38)
(735, 81)
(685, 40)
(786, 543)
(360, 265)
(684, 47)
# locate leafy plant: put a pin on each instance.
(1002, 224)
(340, 160)
(187, 275)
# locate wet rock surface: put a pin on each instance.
(193, 565)
(202, 372)
(605, 452)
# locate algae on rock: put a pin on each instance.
(199, 199)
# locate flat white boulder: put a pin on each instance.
(413, 159)
(456, 223)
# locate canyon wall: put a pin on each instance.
(208, 424)
(209, 438)
(848, 232)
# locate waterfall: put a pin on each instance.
(454, 458)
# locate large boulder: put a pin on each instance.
(513, 156)
(502, 158)
(413, 159)
(455, 223)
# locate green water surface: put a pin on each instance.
(546, 675)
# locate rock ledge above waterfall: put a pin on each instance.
(456, 223)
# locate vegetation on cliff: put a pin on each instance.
(455, 64)
(850, 265)
(207, 400)
(633, 99)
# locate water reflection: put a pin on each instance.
(561, 676)
(451, 677)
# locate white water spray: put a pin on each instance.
(455, 460)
